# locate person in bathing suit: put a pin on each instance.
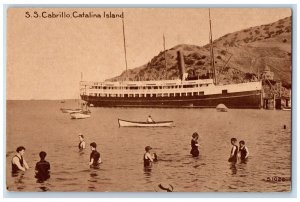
(42, 168)
(95, 158)
(194, 144)
(81, 144)
(234, 151)
(18, 162)
(148, 157)
(243, 150)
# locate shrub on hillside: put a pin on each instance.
(279, 32)
(287, 29)
(266, 28)
(223, 52)
(200, 63)
(257, 31)
(279, 26)
(188, 61)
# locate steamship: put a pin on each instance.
(171, 93)
(183, 92)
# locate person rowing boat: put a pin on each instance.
(150, 120)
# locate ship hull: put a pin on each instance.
(245, 100)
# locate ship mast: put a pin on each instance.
(212, 50)
(165, 55)
(124, 47)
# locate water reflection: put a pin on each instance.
(233, 168)
(147, 171)
(244, 161)
(18, 179)
(43, 186)
(93, 180)
(41, 176)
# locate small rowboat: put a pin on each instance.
(286, 109)
(80, 115)
(124, 123)
(63, 110)
(221, 108)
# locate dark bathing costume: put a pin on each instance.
(79, 145)
(234, 157)
(243, 153)
(43, 168)
(14, 166)
(194, 151)
(147, 161)
(95, 155)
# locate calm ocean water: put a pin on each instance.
(40, 125)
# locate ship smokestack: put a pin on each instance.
(181, 68)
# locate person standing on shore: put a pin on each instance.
(95, 158)
(18, 161)
(194, 144)
(234, 151)
(81, 144)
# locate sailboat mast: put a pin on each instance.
(165, 54)
(212, 50)
(124, 47)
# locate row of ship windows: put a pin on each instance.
(147, 95)
(148, 87)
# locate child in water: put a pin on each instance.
(234, 151)
(244, 152)
(194, 145)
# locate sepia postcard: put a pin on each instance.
(149, 99)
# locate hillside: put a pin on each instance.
(247, 52)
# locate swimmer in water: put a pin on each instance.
(95, 158)
(148, 157)
(18, 162)
(243, 151)
(81, 144)
(194, 144)
(42, 167)
(234, 151)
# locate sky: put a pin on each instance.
(45, 56)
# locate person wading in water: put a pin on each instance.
(244, 152)
(148, 157)
(234, 151)
(18, 162)
(194, 144)
(81, 144)
(95, 158)
(42, 168)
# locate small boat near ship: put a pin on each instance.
(221, 108)
(80, 115)
(125, 123)
(64, 110)
(286, 109)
